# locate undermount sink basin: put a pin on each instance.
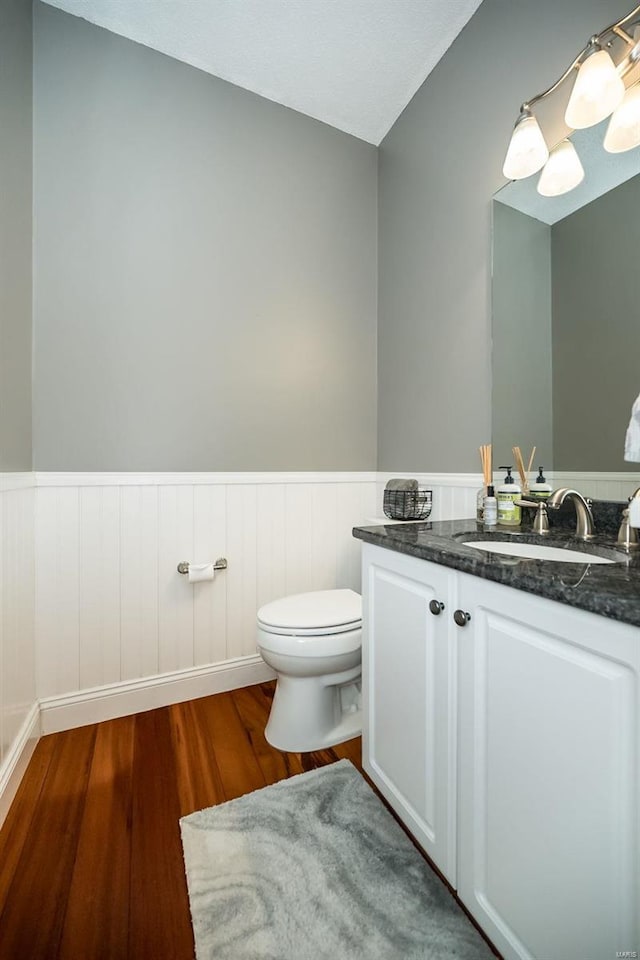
(538, 551)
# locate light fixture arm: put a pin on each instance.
(558, 83)
(595, 42)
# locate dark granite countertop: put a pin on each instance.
(611, 590)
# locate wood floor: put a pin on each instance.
(90, 857)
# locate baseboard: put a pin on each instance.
(16, 760)
(135, 696)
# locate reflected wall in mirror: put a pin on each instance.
(566, 314)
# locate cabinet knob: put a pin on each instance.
(462, 618)
(436, 607)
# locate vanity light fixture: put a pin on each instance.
(528, 151)
(623, 132)
(599, 90)
(562, 172)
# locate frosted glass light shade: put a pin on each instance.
(623, 132)
(527, 152)
(597, 92)
(563, 171)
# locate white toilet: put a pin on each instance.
(313, 642)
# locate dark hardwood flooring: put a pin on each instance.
(90, 857)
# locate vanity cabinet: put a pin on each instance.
(408, 669)
(548, 782)
(519, 733)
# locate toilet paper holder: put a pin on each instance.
(220, 564)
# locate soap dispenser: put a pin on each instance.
(540, 490)
(508, 493)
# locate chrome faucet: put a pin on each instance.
(584, 517)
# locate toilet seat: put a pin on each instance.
(313, 632)
(310, 645)
(318, 614)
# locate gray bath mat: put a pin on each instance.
(315, 868)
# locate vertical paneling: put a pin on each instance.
(297, 535)
(441, 504)
(139, 655)
(110, 603)
(600, 486)
(175, 593)
(324, 543)
(242, 571)
(354, 504)
(3, 651)
(17, 655)
(57, 591)
(99, 597)
(271, 547)
(209, 599)
(464, 502)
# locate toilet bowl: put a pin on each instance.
(313, 642)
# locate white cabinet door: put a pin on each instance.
(408, 681)
(548, 843)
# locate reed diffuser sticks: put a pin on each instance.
(486, 461)
(524, 472)
(529, 465)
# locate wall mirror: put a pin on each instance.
(566, 314)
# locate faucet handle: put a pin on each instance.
(627, 535)
(541, 522)
(633, 513)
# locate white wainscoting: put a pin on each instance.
(600, 486)
(111, 607)
(19, 718)
(118, 629)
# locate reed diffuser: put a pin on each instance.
(523, 472)
(487, 477)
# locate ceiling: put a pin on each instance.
(353, 64)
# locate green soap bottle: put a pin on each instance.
(508, 493)
(540, 489)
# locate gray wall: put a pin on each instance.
(522, 350)
(204, 272)
(439, 167)
(15, 235)
(596, 330)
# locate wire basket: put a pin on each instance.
(407, 504)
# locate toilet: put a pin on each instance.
(313, 642)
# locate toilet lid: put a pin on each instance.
(320, 610)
